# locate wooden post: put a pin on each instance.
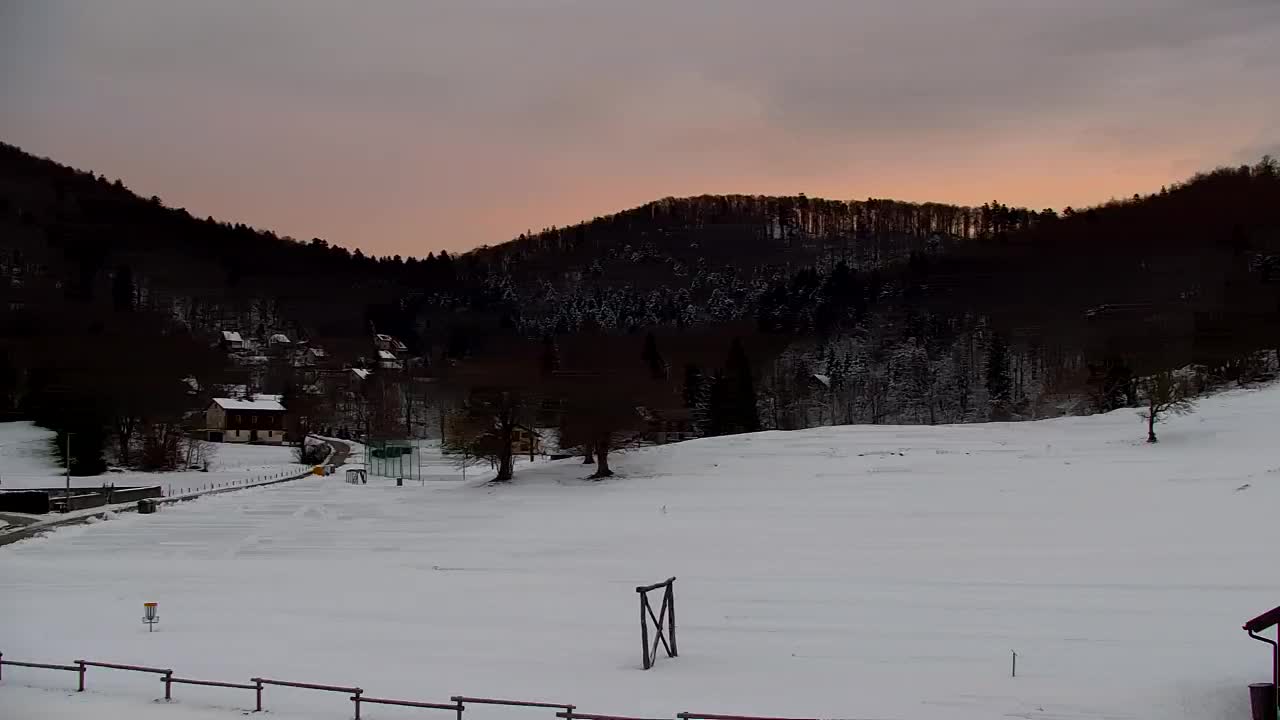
(1015, 663)
(258, 693)
(81, 673)
(644, 629)
(168, 685)
(357, 699)
(671, 616)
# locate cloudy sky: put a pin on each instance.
(402, 126)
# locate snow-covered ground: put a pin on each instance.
(27, 460)
(857, 572)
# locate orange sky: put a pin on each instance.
(406, 126)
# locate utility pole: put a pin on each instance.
(67, 506)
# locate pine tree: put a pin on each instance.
(733, 395)
(122, 289)
(999, 385)
(658, 369)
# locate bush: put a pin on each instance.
(310, 453)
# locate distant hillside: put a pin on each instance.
(906, 312)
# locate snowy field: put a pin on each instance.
(27, 460)
(859, 572)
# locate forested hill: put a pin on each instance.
(908, 312)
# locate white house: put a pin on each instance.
(231, 340)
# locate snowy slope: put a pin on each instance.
(27, 460)
(859, 572)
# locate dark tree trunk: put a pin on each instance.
(1151, 423)
(506, 469)
(588, 458)
(602, 460)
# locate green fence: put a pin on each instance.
(393, 459)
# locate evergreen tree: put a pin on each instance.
(697, 398)
(732, 403)
(658, 369)
(999, 385)
(122, 289)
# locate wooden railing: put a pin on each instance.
(457, 703)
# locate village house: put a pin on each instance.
(389, 344)
(388, 361)
(261, 420)
(231, 340)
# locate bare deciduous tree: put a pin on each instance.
(1166, 394)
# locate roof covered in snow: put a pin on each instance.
(231, 336)
(386, 355)
(281, 339)
(360, 373)
(267, 403)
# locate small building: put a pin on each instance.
(279, 339)
(525, 441)
(260, 420)
(312, 357)
(388, 343)
(387, 360)
(667, 425)
(231, 340)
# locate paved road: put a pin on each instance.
(339, 455)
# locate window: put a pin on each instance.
(254, 419)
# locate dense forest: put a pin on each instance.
(737, 312)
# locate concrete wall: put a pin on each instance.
(34, 502)
(38, 502)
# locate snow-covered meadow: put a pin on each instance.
(854, 572)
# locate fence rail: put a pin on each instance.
(167, 673)
(169, 681)
(42, 666)
(456, 707)
(457, 703)
(713, 716)
(590, 716)
(514, 703)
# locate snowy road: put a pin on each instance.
(868, 572)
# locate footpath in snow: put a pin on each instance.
(853, 572)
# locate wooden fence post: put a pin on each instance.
(644, 630)
(671, 616)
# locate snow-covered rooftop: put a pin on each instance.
(231, 336)
(386, 355)
(360, 373)
(280, 339)
(260, 403)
